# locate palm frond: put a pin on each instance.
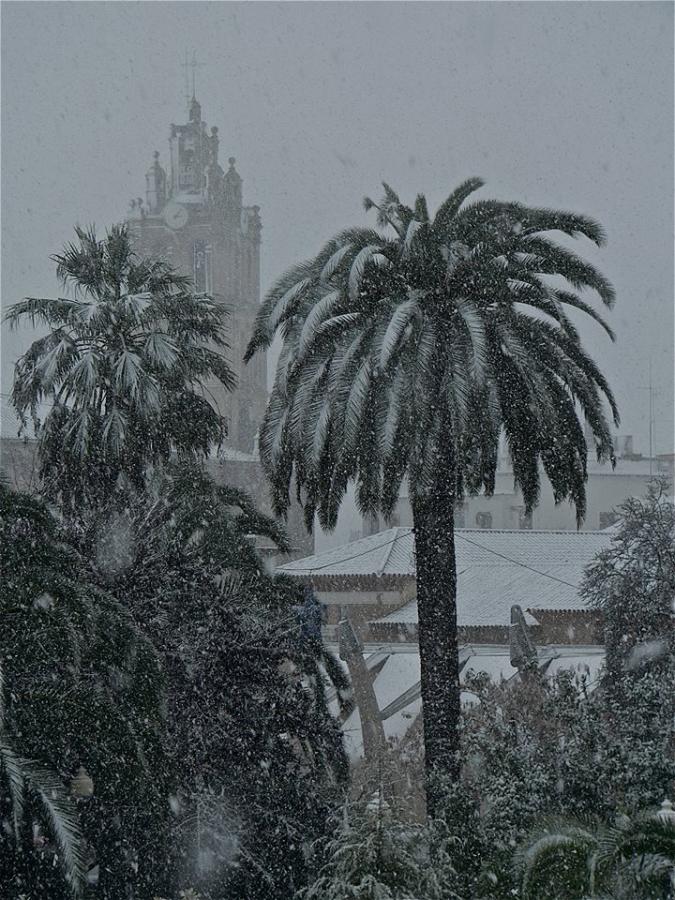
(396, 327)
(331, 267)
(43, 311)
(358, 268)
(450, 207)
(412, 230)
(60, 816)
(556, 260)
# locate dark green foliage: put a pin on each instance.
(82, 687)
(181, 518)
(40, 828)
(406, 354)
(256, 758)
(542, 748)
(633, 584)
(372, 855)
(629, 859)
(385, 334)
(124, 366)
(151, 580)
(539, 749)
(253, 761)
(460, 827)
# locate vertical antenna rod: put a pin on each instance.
(651, 420)
(187, 83)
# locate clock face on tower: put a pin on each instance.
(175, 215)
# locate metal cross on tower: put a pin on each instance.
(187, 65)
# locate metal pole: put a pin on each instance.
(651, 420)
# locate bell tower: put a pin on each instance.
(193, 217)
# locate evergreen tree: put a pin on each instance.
(633, 584)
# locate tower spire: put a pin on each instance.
(186, 66)
(194, 69)
(190, 81)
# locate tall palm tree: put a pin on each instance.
(407, 351)
(125, 366)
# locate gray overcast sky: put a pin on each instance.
(560, 104)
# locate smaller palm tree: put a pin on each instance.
(125, 366)
(631, 859)
(25, 784)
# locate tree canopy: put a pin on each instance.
(449, 328)
(125, 367)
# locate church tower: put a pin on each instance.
(193, 216)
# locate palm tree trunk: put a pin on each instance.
(436, 576)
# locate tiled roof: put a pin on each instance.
(386, 553)
(496, 569)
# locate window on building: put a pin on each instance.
(608, 518)
(484, 520)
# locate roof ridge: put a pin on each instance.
(526, 531)
(388, 547)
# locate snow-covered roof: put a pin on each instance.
(388, 552)
(538, 570)
(496, 569)
(486, 593)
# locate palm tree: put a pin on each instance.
(632, 859)
(125, 365)
(407, 351)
